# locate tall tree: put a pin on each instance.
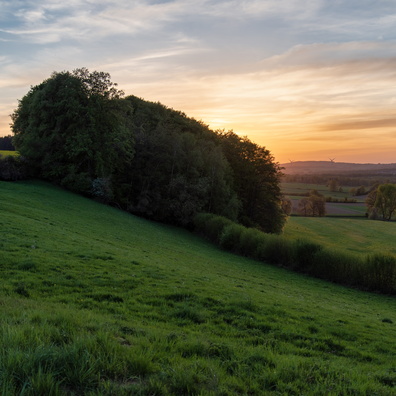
(69, 128)
(385, 201)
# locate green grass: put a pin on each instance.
(7, 152)
(95, 301)
(350, 234)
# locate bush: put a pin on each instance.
(338, 267)
(12, 168)
(250, 240)
(376, 272)
(305, 254)
(102, 189)
(211, 226)
(231, 237)
(276, 249)
(380, 273)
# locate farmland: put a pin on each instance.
(296, 191)
(357, 235)
(7, 152)
(96, 301)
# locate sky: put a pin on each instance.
(307, 79)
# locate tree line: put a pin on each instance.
(78, 130)
(353, 179)
(6, 143)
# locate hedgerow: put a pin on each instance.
(375, 272)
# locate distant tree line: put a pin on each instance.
(78, 130)
(6, 143)
(348, 179)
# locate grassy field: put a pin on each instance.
(357, 235)
(294, 191)
(95, 301)
(6, 152)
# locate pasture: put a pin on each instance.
(96, 301)
(358, 235)
(5, 153)
(296, 191)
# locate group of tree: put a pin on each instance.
(6, 143)
(381, 202)
(361, 190)
(313, 205)
(78, 130)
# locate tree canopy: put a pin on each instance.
(76, 129)
(70, 129)
(256, 182)
(381, 202)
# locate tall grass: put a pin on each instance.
(371, 272)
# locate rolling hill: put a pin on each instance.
(96, 301)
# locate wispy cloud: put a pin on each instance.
(291, 74)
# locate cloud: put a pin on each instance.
(362, 124)
(290, 71)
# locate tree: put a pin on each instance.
(75, 129)
(314, 205)
(178, 170)
(304, 206)
(256, 182)
(287, 205)
(71, 129)
(385, 201)
(333, 185)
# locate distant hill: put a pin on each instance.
(328, 167)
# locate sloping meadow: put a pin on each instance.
(96, 301)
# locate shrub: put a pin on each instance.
(376, 272)
(340, 267)
(102, 189)
(305, 254)
(250, 240)
(231, 237)
(12, 168)
(211, 226)
(276, 249)
(380, 273)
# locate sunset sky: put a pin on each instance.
(307, 79)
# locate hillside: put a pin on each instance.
(95, 300)
(329, 167)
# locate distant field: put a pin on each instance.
(295, 192)
(355, 235)
(7, 152)
(94, 301)
(295, 189)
